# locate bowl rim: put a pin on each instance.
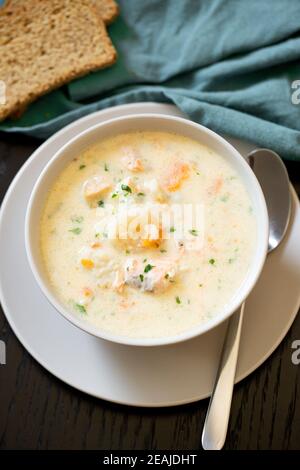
(195, 331)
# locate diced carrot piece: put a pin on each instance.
(87, 263)
(152, 242)
(147, 243)
(87, 292)
(96, 245)
(179, 172)
(137, 165)
(217, 185)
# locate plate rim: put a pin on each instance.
(35, 354)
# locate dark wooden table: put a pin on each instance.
(37, 411)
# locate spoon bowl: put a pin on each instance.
(274, 180)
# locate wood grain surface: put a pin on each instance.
(38, 411)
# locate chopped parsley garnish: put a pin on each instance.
(141, 277)
(141, 194)
(172, 229)
(148, 268)
(106, 167)
(81, 167)
(80, 308)
(225, 198)
(212, 261)
(144, 260)
(76, 230)
(231, 260)
(178, 301)
(114, 195)
(100, 203)
(194, 232)
(78, 220)
(126, 188)
(163, 250)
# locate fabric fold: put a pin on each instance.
(227, 64)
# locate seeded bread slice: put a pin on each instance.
(108, 9)
(59, 40)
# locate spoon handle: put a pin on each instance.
(217, 417)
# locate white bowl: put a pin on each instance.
(133, 123)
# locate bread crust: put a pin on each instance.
(43, 48)
(108, 9)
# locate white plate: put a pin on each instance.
(164, 376)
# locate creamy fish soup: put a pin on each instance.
(147, 234)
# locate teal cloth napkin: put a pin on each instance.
(228, 64)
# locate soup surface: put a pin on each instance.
(147, 234)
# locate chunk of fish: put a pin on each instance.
(94, 188)
(153, 188)
(131, 160)
(155, 276)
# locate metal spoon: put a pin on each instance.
(274, 180)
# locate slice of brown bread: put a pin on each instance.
(108, 9)
(59, 40)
